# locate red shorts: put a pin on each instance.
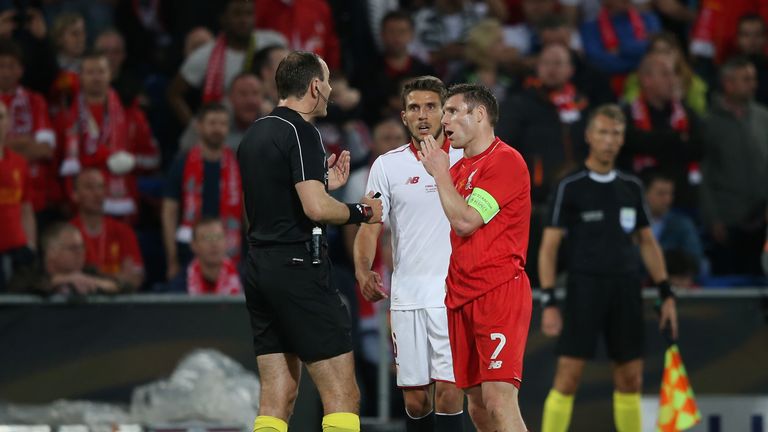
(488, 335)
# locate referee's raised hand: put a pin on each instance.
(338, 170)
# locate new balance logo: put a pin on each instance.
(495, 364)
(412, 180)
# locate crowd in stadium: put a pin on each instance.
(120, 121)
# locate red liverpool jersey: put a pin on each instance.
(108, 250)
(495, 253)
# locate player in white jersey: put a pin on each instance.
(421, 248)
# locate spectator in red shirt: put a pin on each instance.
(16, 216)
(63, 267)
(306, 24)
(486, 197)
(211, 271)
(30, 132)
(110, 246)
(98, 131)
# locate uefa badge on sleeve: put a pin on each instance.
(628, 219)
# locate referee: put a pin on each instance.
(604, 213)
(295, 315)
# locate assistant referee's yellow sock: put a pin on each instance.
(341, 422)
(557, 412)
(269, 424)
(626, 412)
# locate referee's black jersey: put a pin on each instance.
(278, 151)
(599, 213)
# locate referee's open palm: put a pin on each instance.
(338, 170)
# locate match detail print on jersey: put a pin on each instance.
(484, 203)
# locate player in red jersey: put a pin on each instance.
(486, 197)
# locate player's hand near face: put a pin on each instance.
(338, 170)
(434, 159)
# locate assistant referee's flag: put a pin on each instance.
(677, 406)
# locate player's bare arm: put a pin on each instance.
(364, 252)
(551, 319)
(654, 263)
(464, 219)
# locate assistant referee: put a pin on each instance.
(603, 212)
(295, 314)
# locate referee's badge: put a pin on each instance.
(628, 219)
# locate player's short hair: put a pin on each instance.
(296, 72)
(205, 221)
(210, 107)
(611, 111)
(9, 48)
(476, 95)
(424, 83)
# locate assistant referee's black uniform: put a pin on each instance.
(600, 213)
(292, 306)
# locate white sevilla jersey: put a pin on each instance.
(420, 230)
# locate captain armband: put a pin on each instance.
(484, 203)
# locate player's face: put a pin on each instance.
(605, 137)
(459, 124)
(422, 115)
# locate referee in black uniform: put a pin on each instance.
(295, 314)
(603, 212)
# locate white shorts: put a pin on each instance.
(422, 348)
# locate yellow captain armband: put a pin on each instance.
(484, 203)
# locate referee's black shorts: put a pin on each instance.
(292, 306)
(607, 305)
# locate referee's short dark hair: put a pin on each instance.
(612, 111)
(424, 83)
(296, 72)
(476, 95)
(210, 107)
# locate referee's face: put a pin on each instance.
(605, 137)
(422, 114)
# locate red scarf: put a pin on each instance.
(213, 90)
(569, 105)
(230, 197)
(228, 282)
(608, 33)
(20, 110)
(97, 143)
(641, 118)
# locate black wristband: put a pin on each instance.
(548, 297)
(665, 290)
(358, 213)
